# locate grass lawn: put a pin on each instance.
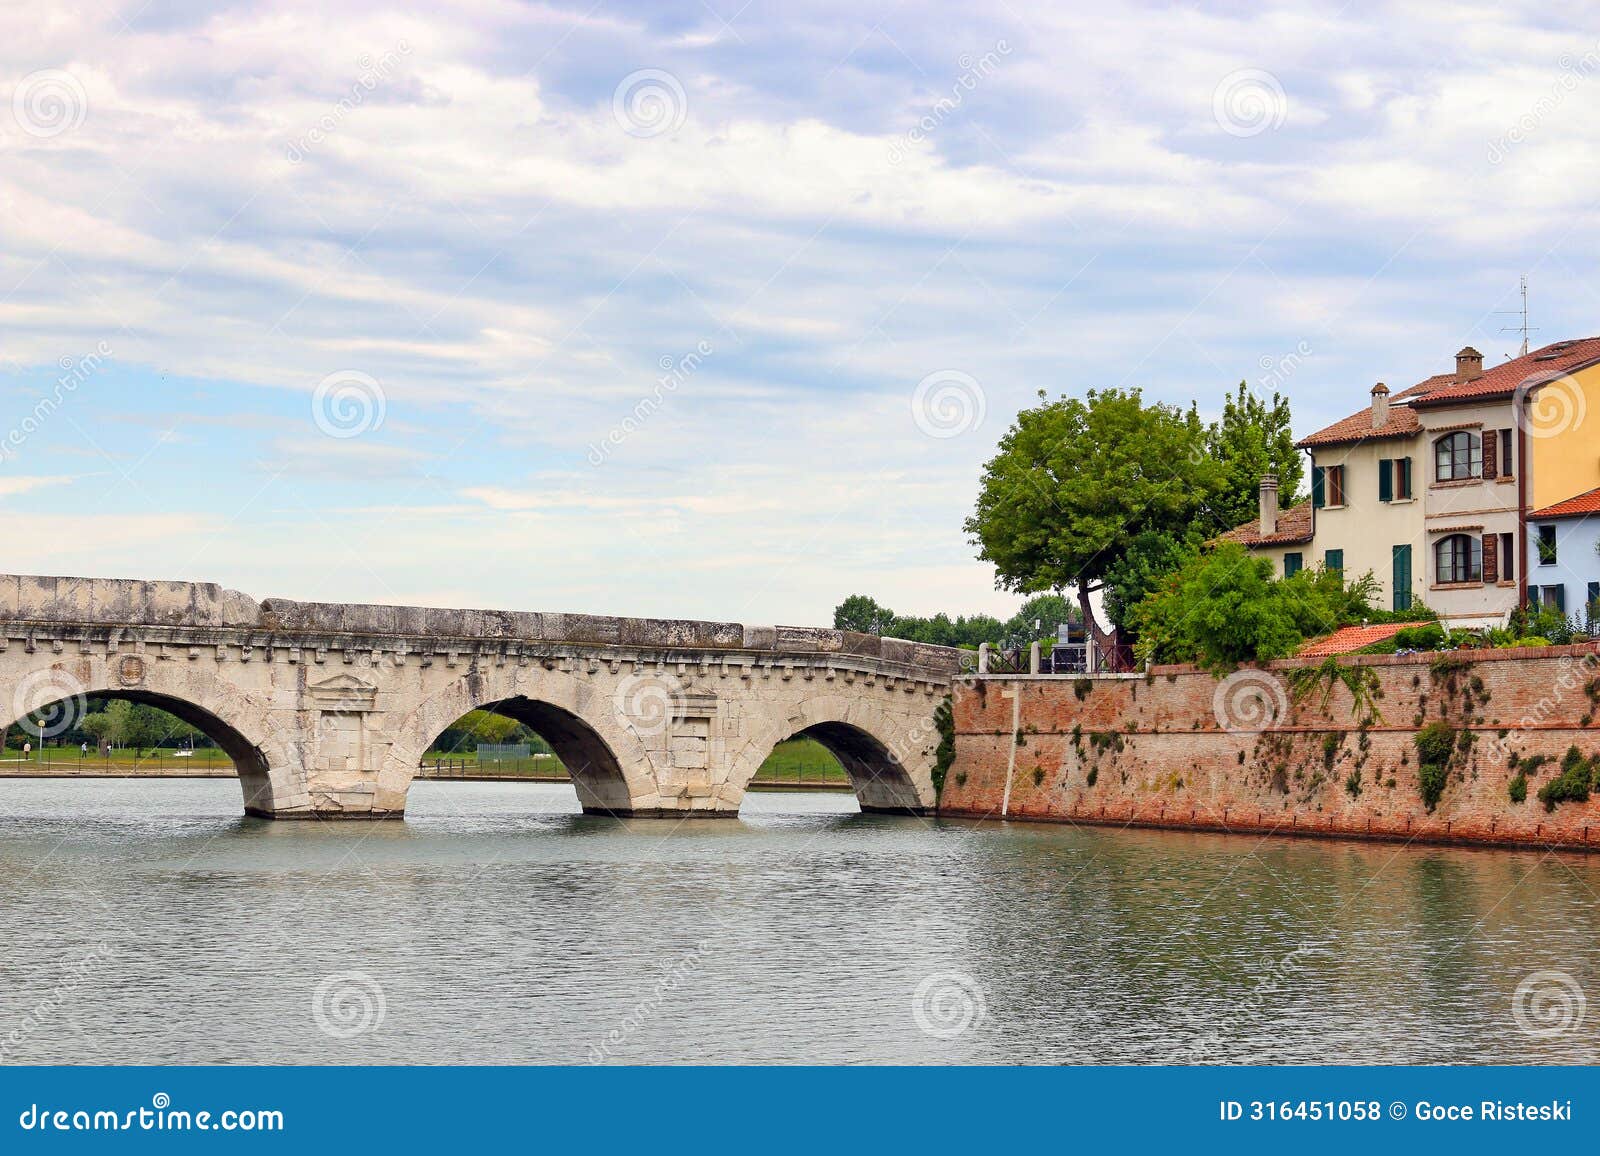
(117, 762)
(801, 760)
(795, 760)
(798, 760)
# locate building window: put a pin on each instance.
(1508, 566)
(1458, 558)
(1547, 545)
(1394, 479)
(1333, 560)
(1592, 605)
(1292, 564)
(1402, 578)
(1335, 485)
(1457, 456)
(1505, 453)
(1555, 596)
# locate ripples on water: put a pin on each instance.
(503, 926)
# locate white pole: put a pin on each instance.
(1015, 695)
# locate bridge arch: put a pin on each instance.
(887, 757)
(609, 764)
(271, 770)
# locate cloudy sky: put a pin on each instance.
(716, 310)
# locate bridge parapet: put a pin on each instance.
(202, 606)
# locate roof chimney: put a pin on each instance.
(1269, 505)
(1469, 365)
(1380, 405)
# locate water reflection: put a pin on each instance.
(501, 925)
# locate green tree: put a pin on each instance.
(1038, 617)
(1077, 479)
(1253, 438)
(1142, 568)
(862, 614)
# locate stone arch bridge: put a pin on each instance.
(327, 709)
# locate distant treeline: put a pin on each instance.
(1037, 619)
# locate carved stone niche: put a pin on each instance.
(343, 703)
(689, 746)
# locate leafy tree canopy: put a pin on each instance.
(1108, 492)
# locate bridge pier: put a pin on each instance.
(328, 709)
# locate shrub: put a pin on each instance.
(1518, 790)
(1574, 781)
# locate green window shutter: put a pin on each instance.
(1333, 560)
(1386, 480)
(1292, 564)
(1319, 489)
(1402, 578)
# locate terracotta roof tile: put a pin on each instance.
(1573, 507)
(1357, 428)
(1294, 525)
(1348, 639)
(1502, 380)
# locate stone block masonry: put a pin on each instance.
(1299, 747)
(326, 709)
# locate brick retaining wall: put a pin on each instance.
(1181, 748)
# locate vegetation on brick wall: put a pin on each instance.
(1436, 747)
(1575, 781)
(1361, 681)
(945, 720)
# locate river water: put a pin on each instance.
(146, 921)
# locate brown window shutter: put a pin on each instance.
(1491, 557)
(1491, 453)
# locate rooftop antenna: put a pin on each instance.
(1524, 328)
